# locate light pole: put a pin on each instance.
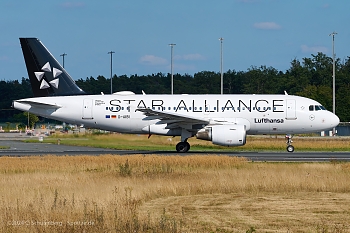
(63, 55)
(222, 77)
(171, 68)
(111, 53)
(333, 55)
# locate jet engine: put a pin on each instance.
(224, 135)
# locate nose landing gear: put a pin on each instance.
(290, 148)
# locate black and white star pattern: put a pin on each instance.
(40, 74)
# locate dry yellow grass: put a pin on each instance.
(140, 142)
(171, 194)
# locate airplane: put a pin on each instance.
(224, 120)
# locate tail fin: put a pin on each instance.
(46, 75)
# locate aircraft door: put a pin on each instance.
(131, 123)
(290, 111)
(87, 109)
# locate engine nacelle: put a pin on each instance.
(224, 135)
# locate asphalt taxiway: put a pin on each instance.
(18, 148)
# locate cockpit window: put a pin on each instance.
(316, 108)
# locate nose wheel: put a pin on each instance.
(290, 148)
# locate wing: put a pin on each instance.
(172, 118)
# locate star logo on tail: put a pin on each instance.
(55, 72)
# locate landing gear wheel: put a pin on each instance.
(182, 147)
(290, 148)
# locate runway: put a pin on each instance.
(19, 149)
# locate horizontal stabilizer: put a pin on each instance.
(39, 104)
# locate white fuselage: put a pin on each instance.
(261, 114)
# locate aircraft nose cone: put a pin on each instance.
(334, 120)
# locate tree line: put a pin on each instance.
(310, 77)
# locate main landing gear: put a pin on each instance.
(183, 147)
(290, 148)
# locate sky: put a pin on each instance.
(256, 33)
